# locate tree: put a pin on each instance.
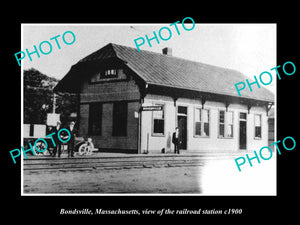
(38, 98)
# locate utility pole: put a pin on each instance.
(54, 102)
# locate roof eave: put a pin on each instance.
(239, 99)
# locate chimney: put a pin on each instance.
(167, 51)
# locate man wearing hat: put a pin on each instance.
(176, 140)
(71, 142)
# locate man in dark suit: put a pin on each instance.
(57, 148)
(71, 142)
(176, 141)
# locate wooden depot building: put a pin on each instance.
(132, 101)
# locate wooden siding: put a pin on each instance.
(108, 92)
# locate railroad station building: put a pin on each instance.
(131, 101)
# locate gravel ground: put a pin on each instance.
(213, 177)
(145, 180)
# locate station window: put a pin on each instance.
(257, 125)
(222, 124)
(95, 118)
(120, 118)
(110, 73)
(158, 122)
(201, 122)
(104, 74)
(229, 124)
(225, 124)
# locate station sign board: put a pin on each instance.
(152, 108)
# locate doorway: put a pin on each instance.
(243, 131)
(182, 126)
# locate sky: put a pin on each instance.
(248, 48)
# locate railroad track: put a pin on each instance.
(128, 162)
(106, 163)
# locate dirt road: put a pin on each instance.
(184, 174)
(97, 181)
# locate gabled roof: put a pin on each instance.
(170, 71)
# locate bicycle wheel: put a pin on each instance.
(83, 149)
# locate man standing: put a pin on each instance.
(175, 140)
(57, 148)
(71, 142)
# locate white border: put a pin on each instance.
(129, 194)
